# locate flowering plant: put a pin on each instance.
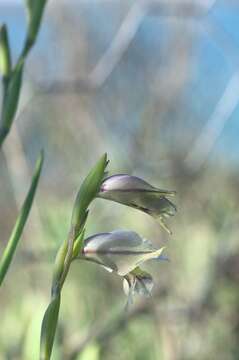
(119, 251)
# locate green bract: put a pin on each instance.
(88, 191)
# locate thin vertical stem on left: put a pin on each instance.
(10, 249)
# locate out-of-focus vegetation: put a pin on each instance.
(160, 108)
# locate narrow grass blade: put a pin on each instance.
(9, 251)
(48, 328)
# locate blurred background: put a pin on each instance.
(155, 84)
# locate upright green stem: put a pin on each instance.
(68, 251)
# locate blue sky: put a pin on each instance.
(213, 68)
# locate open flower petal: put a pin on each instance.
(137, 282)
(120, 250)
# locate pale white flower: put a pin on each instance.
(137, 193)
(121, 251)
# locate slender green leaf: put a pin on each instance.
(9, 251)
(48, 328)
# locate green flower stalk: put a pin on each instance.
(68, 251)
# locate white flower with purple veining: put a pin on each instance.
(122, 252)
(137, 193)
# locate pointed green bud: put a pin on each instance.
(88, 191)
(5, 56)
(48, 328)
(35, 9)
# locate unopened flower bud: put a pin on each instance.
(137, 193)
